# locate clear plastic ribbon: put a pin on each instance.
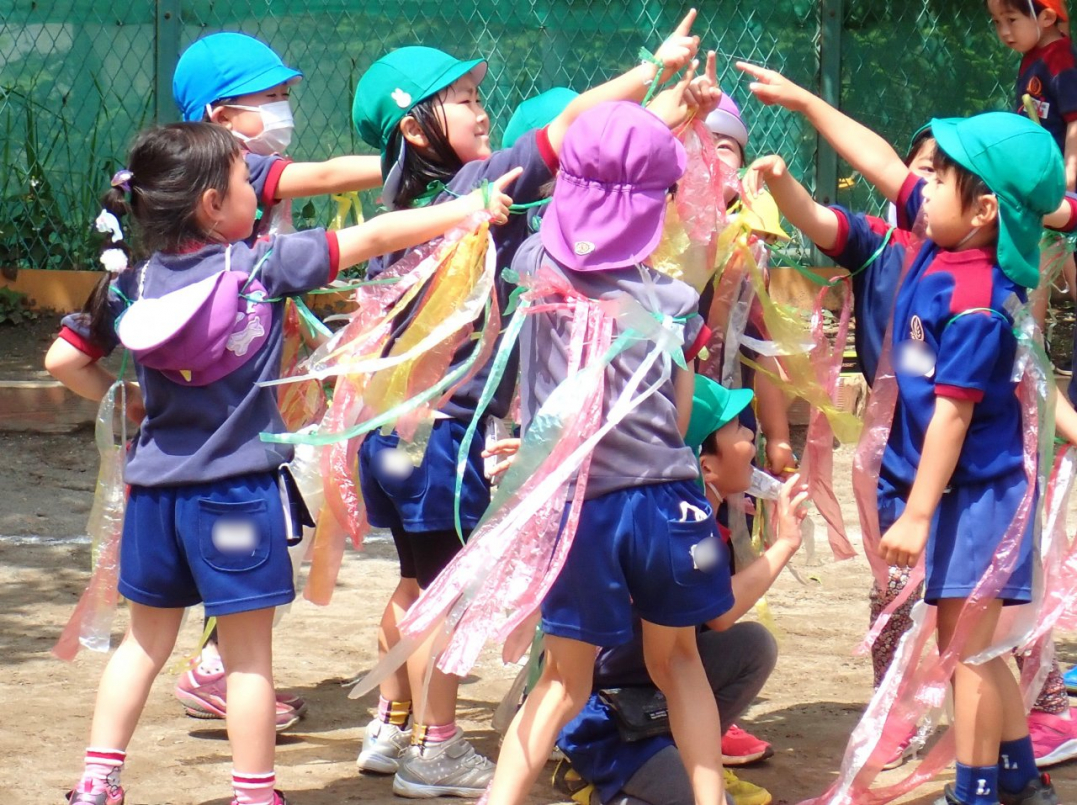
(90, 625)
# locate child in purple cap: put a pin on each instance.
(645, 520)
(205, 519)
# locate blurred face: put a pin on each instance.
(729, 470)
(466, 124)
(248, 122)
(1018, 31)
(732, 156)
(922, 163)
(947, 223)
(231, 216)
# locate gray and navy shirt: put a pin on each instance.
(534, 153)
(206, 433)
(646, 447)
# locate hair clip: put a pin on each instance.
(107, 223)
(122, 179)
(114, 260)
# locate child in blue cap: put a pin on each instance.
(957, 426)
(240, 83)
(420, 107)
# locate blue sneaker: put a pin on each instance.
(1070, 678)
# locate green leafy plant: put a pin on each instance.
(15, 307)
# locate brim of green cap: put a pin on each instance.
(713, 407)
(1019, 230)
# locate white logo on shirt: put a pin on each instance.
(240, 341)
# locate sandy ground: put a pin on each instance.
(806, 711)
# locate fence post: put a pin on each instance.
(831, 19)
(166, 54)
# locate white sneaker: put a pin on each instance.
(383, 746)
(450, 768)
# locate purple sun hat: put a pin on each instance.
(618, 162)
(198, 334)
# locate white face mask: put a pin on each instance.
(277, 127)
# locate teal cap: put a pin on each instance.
(713, 407)
(396, 82)
(534, 113)
(1021, 164)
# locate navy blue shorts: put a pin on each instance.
(636, 546)
(417, 499)
(221, 543)
(968, 526)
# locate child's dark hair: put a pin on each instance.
(969, 186)
(437, 163)
(917, 143)
(171, 168)
(710, 445)
(1023, 7)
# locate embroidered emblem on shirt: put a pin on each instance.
(1035, 87)
(583, 247)
(403, 99)
(916, 329)
(239, 342)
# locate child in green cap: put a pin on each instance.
(421, 108)
(953, 485)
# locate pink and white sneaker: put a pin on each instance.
(203, 696)
(112, 795)
(1054, 738)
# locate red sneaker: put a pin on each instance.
(740, 748)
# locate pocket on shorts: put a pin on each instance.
(397, 476)
(234, 537)
(696, 551)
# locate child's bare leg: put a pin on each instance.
(247, 650)
(560, 694)
(673, 663)
(987, 699)
(128, 677)
(396, 687)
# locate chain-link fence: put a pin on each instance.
(79, 78)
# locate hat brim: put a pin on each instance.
(274, 76)
(708, 418)
(587, 228)
(722, 122)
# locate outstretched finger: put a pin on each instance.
(684, 28)
(503, 181)
(712, 68)
(755, 70)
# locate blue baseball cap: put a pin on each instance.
(226, 65)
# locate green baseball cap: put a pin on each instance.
(396, 82)
(534, 113)
(1021, 164)
(713, 407)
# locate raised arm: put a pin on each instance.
(818, 223)
(675, 54)
(858, 145)
(337, 175)
(394, 231)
